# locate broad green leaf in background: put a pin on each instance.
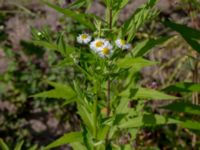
(147, 94)
(80, 17)
(19, 145)
(3, 145)
(145, 46)
(60, 91)
(72, 137)
(183, 87)
(136, 63)
(138, 19)
(190, 35)
(183, 107)
(147, 120)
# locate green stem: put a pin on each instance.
(95, 118)
(107, 140)
(108, 98)
(95, 105)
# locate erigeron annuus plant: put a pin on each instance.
(110, 62)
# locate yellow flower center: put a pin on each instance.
(105, 51)
(123, 42)
(99, 44)
(84, 36)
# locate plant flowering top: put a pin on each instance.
(123, 44)
(84, 38)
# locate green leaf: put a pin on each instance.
(80, 17)
(78, 146)
(60, 91)
(34, 147)
(183, 29)
(190, 35)
(103, 132)
(135, 63)
(183, 87)
(183, 107)
(147, 120)
(3, 145)
(66, 139)
(87, 117)
(147, 94)
(190, 124)
(116, 8)
(46, 44)
(143, 47)
(77, 4)
(138, 19)
(193, 43)
(19, 145)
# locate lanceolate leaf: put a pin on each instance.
(147, 120)
(60, 91)
(72, 137)
(19, 145)
(190, 124)
(81, 18)
(183, 87)
(183, 107)
(135, 63)
(147, 94)
(3, 145)
(145, 46)
(78, 146)
(143, 93)
(189, 34)
(46, 44)
(87, 117)
(183, 29)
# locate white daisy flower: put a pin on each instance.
(84, 38)
(122, 44)
(98, 44)
(106, 51)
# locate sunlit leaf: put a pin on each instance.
(60, 91)
(67, 138)
(147, 94)
(78, 146)
(135, 63)
(190, 124)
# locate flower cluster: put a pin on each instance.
(102, 46)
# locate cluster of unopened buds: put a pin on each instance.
(102, 46)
